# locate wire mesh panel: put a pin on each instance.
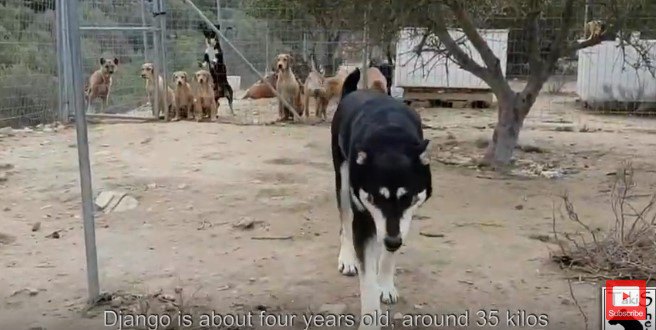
(120, 31)
(28, 62)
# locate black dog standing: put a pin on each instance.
(382, 176)
(217, 67)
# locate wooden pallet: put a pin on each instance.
(449, 97)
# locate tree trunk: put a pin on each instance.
(513, 108)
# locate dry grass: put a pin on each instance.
(627, 250)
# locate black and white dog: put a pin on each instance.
(215, 64)
(382, 175)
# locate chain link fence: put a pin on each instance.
(259, 33)
(131, 30)
(28, 62)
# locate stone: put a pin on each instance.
(126, 203)
(115, 201)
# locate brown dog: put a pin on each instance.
(260, 90)
(315, 88)
(100, 83)
(204, 104)
(288, 87)
(334, 84)
(183, 101)
(148, 73)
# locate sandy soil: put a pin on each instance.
(195, 181)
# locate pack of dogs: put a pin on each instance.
(198, 102)
(188, 99)
(317, 87)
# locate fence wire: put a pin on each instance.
(28, 62)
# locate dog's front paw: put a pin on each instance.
(347, 264)
(388, 294)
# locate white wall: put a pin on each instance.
(444, 73)
(606, 75)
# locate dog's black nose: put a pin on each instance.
(279, 66)
(393, 243)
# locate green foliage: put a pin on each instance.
(28, 62)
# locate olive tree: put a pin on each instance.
(436, 17)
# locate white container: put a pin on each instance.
(235, 82)
(438, 72)
(605, 73)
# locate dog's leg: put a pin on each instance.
(317, 110)
(176, 113)
(369, 290)
(347, 263)
(214, 109)
(103, 104)
(388, 294)
(281, 112)
(198, 110)
(306, 106)
(230, 96)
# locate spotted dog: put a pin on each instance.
(382, 176)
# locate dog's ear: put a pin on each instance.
(102, 61)
(115, 61)
(217, 26)
(290, 59)
(423, 150)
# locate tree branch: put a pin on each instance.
(537, 78)
(558, 44)
(533, 31)
(461, 58)
(491, 61)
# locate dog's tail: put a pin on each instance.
(351, 82)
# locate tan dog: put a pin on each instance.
(204, 104)
(594, 29)
(148, 73)
(260, 90)
(375, 80)
(334, 84)
(183, 101)
(100, 83)
(315, 88)
(288, 87)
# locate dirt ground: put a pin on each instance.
(198, 185)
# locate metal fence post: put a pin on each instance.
(63, 110)
(218, 11)
(71, 10)
(156, 60)
(364, 53)
(266, 48)
(162, 26)
(144, 33)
